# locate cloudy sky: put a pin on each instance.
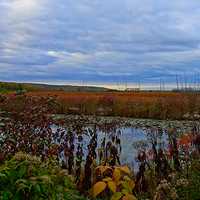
(99, 41)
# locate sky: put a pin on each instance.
(99, 41)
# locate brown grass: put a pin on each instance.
(161, 105)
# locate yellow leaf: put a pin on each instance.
(128, 185)
(94, 163)
(116, 196)
(131, 184)
(103, 168)
(112, 186)
(119, 183)
(129, 197)
(125, 191)
(125, 169)
(116, 175)
(126, 178)
(98, 188)
(107, 179)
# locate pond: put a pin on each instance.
(134, 134)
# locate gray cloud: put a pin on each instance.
(99, 40)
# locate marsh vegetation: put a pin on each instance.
(44, 155)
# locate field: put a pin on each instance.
(157, 105)
(46, 155)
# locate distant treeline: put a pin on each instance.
(8, 87)
(12, 87)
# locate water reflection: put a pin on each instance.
(131, 140)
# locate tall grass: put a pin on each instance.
(159, 105)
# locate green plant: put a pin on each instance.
(27, 177)
(190, 188)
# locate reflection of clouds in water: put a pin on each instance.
(128, 136)
(132, 140)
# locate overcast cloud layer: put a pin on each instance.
(99, 40)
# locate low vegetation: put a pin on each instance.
(44, 158)
(28, 177)
(154, 105)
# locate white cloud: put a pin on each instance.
(24, 8)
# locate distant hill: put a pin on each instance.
(12, 86)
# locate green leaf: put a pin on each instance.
(22, 187)
(2, 175)
(37, 188)
(112, 186)
(116, 196)
(22, 171)
(6, 195)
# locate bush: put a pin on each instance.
(27, 177)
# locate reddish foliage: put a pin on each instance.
(185, 140)
(162, 105)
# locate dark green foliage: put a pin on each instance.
(27, 177)
(13, 86)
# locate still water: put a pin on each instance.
(133, 137)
